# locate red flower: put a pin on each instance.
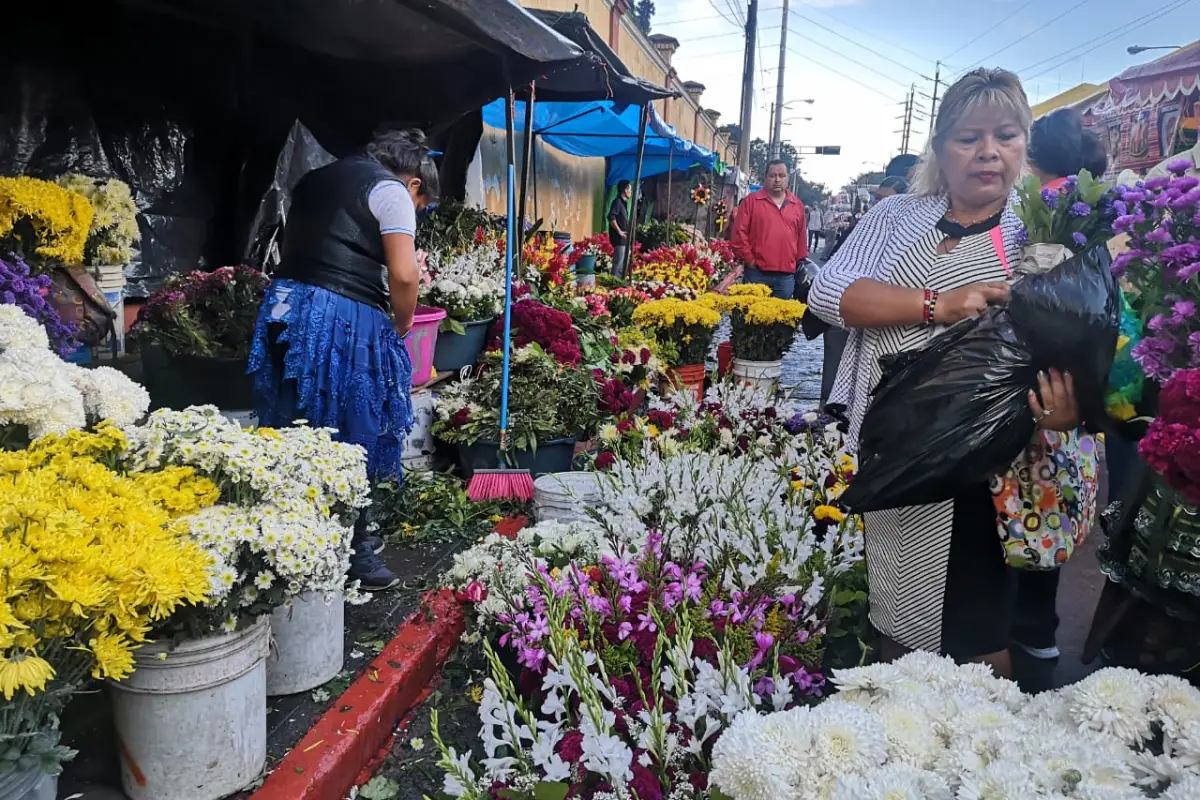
(475, 592)
(461, 417)
(605, 460)
(509, 526)
(534, 322)
(663, 420)
(644, 785)
(645, 355)
(570, 749)
(1179, 400)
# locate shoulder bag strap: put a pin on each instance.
(998, 244)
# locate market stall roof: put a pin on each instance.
(458, 54)
(1174, 74)
(598, 74)
(603, 129)
(1071, 97)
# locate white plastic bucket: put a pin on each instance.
(420, 444)
(110, 278)
(247, 419)
(193, 725)
(762, 375)
(565, 496)
(306, 643)
(30, 784)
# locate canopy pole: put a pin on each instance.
(670, 169)
(510, 154)
(637, 183)
(527, 157)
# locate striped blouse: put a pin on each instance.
(878, 242)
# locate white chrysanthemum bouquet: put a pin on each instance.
(468, 285)
(290, 498)
(925, 728)
(40, 393)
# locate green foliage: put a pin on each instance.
(433, 506)
(660, 233)
(379, 788)
(451, 227)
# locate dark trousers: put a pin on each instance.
(834, 340)
(1036, 621)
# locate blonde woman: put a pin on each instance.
(914, 265)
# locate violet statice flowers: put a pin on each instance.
(31, 293)
(1162, 266)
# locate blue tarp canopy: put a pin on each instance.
(603, 129)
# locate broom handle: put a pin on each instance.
(508, 280)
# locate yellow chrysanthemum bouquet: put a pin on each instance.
(686, 326)
(42, 222)
(90, 561)
(763, 327)
(114, 229)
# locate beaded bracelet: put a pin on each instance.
(930, 306)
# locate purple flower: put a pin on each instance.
(1187, 273)
(1120, 207)
(531, 657)
(1022, 236)
(646, 623)
(1160, 235)
(764, 686)
(625, 603)
(599, 605)
(1079, 239)
(1125, 223)
(1160, 182)
(1050, 198)
(8, 298)
(692, 588)
(1182, 311)
(763, 641)
(1080, 209)
(1180, 166)
(1133, 196)
(624, 630)
(1186, 183)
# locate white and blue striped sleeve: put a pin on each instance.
(860, 257)
(392, 206)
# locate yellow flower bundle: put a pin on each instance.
(728, 303)
(749, 290)
(90, 558)
(676, 274)
(771, 311)
(667, 312)
(114, 228)
(60, 219)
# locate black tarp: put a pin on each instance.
(190, 101)
(597, 75)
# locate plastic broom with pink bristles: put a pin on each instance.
(504, 483)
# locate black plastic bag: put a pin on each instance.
(812, 325)
(950, 415)
(301, 154)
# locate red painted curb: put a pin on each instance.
(351, 734)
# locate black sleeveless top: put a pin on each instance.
(332, 239)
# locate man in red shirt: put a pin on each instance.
(770, 234)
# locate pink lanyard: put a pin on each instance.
(998, 243)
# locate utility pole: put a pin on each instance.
(937, 79)
(777, 130)
(906, 131)
(748, 88)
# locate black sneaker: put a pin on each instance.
(371, 574)
(374, 544)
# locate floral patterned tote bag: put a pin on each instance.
(1046, 501)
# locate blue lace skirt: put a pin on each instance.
(336, 363)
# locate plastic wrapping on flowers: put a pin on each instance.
(469, 285)
(42, 223)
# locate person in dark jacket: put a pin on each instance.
(328, 347)
(618, 227)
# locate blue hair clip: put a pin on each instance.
(433, 152)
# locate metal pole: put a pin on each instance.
(777, 131)
(637, 182)
(670, 168)
(747, 88)
(527, 158)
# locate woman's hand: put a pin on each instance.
(1053, 404)
(969, 301)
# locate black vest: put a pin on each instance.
(332, 239)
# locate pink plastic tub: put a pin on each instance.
(421, 340)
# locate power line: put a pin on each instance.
(1038, 29)
(989, 30)
(893, 45)
(1108, 36)
(859, 45)
(841, 74)
(868, 68)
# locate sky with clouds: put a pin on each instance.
(857, 58)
